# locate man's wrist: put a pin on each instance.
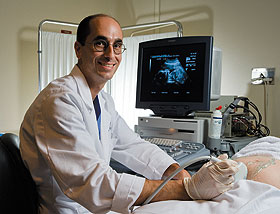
(170, 170)
(179, 176)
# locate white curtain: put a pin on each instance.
(58, 59)
(123, 84)
(58, 56)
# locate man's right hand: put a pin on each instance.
(211, 180)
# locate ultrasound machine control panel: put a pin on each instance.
(181, 151)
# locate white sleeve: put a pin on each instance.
(139, 155)
(68, 149)
(135, 153)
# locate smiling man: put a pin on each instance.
(72, 129)
(100, 53)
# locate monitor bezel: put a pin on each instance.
(177, 109)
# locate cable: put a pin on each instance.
(265, 81)
(259, 129)
(265, 102)
(214, 159)
(227, 112)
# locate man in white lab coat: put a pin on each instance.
(72, 129)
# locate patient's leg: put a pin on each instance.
(265, 169)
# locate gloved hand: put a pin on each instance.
(212, 179)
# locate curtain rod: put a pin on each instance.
(70, 24)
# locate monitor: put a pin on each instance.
(174, 75)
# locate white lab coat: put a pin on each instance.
(60, 145)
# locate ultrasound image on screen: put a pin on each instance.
(173, 74)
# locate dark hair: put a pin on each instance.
(84, 30)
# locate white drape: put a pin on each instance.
(123, 84)
(58, 59)
(58, 56)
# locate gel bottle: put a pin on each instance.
(215, 127)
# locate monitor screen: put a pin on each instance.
(174, 75)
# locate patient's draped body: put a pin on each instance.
(262, 168)
(262, 158)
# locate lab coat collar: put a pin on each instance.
(83, 88)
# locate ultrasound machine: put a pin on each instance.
(174, 81)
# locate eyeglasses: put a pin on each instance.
(101, 45)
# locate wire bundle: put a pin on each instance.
(256, 128)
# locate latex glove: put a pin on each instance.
(211, 180)
(223, 156)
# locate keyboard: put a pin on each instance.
(163, 141)
(179, 150)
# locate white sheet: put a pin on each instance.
(248, 197)
(263, 146)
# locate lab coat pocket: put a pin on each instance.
(112, 137)
(111, 140)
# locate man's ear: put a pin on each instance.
(77, 47)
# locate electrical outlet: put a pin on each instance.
(263, 75)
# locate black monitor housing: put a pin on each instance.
(174, 75)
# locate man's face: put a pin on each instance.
(99, 67)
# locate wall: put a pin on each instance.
(246, 31)
(19, 22)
